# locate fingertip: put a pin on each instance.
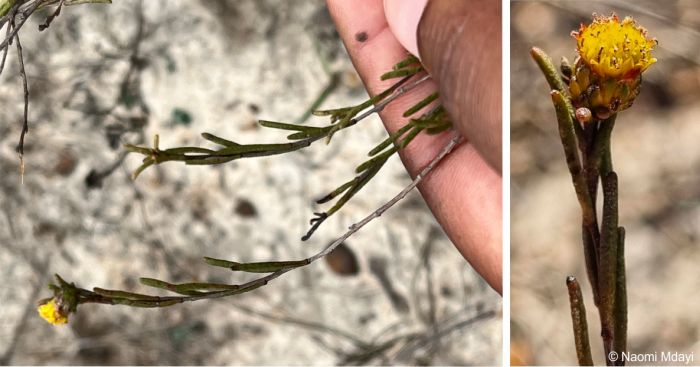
(403, 18)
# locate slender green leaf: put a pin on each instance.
(256, 267)
(218, 140)
(549, 70)
(418, 106)
(578, 317)
(123, 294)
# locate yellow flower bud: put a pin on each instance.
(52, 313)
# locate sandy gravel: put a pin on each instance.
(223, 64)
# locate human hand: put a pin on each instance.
(459, 42)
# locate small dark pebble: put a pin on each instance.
(67, 161)
(246, 209)
(93, 180)
(253, 108)
(343, 261)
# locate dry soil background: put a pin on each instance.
(103, 75)
(657, 157)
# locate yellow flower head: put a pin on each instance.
(52, 313)
(614, 49)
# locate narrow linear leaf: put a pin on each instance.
(205, 286)
(233, 292)
(285, 126)
(409, 138)
(187, 150)
(549, 70)
(335, 193)
(390, 140)
(137, 149)
(256, 267)
(187, 288)
(123, 294)
(418, 106)
(608, 262)
(620, 331)
(267, 267)
(155, 283)
(336, 111)
(379, 159)
(79, 2)
(578, 318)
(219, 140)
(298, 136)
(218, 262)
(208, 160)
(573, 161)
(401, 73)
(358, 183)
(438, 129)
(408, 61)
(147, 163)
(147, 303)
(591, 260)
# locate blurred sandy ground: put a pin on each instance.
(408, 297)
(657, 157)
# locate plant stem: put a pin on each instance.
(588, 155)
(25, 85)
(187, 290)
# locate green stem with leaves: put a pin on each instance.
(73, 296)
(411, 74)
(435, 120)
(587, 150)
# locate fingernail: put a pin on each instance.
(403, 17)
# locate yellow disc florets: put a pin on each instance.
(52, 313)
(614, 49)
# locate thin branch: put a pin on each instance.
(23, 10)
(27, 8)
(6, 49)
(25, 122)
(304, 137)
(456, 140)
(193, 291)
(15, 28)
(432, 337)
(96, 176)
(364, 356)
(394, 95)
(310, 325)
(449, 147)
(434, 121)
